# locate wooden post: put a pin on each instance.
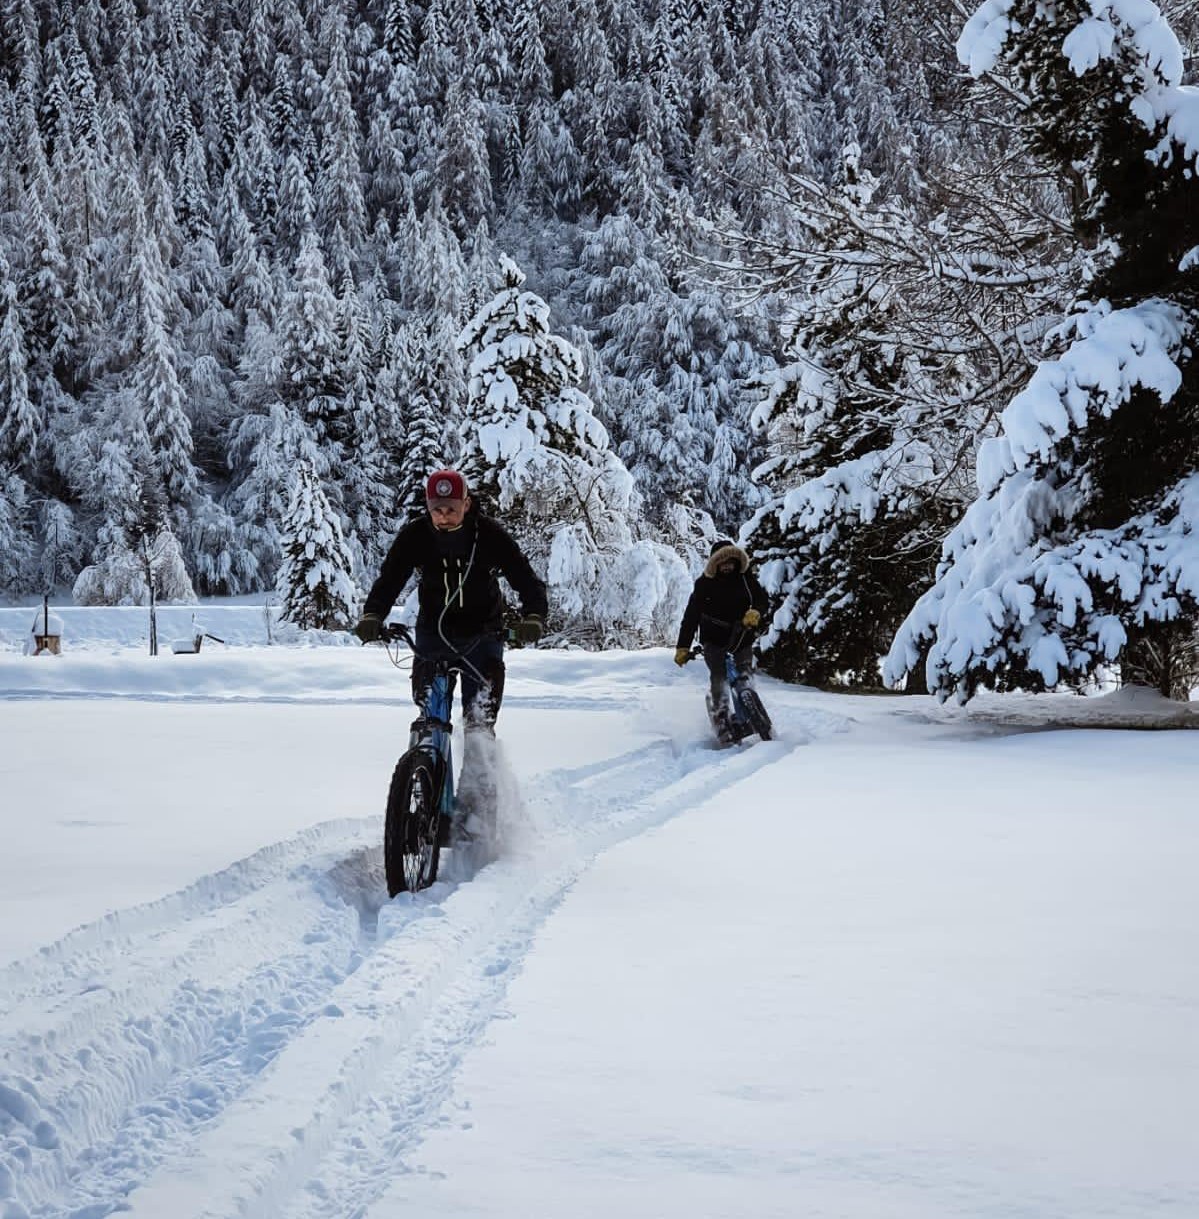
(153, 621)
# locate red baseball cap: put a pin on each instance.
(445, 486)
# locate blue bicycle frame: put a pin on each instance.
(433, 730)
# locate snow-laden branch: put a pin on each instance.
(1016, 585)
(1116, 352)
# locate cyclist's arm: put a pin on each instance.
(518, 571)
(395, 573)
(690, 623)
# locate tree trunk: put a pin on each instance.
(1163, 656)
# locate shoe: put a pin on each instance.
(719, 717)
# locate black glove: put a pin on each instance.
(528, 629)
(369, 628)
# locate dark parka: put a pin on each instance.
(459, 593)
(719, 602)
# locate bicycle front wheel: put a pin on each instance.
(755, 713)
(411, 853)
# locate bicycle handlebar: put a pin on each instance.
(397, 632)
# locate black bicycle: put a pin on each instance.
(422, 809)
(745, 715)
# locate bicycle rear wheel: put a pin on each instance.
(755, 713)
(411, 853)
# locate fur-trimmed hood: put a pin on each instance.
(722, 553)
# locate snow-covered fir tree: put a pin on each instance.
(871, 422)
(1078, 553)
(315, 583)
(139, 557)
(21, 424)
(318, 177)
(17, 552)
(534, 450)
(415, 380)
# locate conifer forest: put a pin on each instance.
(900, 295)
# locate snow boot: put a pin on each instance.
(721, 725)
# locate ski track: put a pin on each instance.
(275, 1038)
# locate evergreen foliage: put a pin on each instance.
(534, 449)
(870, 425)
(315, 585)
(242, 238)
(1077, 554)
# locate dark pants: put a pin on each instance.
(714, 654)
(481, 662)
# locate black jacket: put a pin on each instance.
(459, 567)
(718, 602)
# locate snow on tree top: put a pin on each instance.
(1139, 22)
(1113, 26)
(1116, 351)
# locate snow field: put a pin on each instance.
(895, 962)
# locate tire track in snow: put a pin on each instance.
(92, 1041)
(357, 1088)
(124, 1036)
(137, 1032)
(120, 934)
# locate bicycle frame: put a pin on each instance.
(434, 731)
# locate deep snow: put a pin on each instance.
(900, 962)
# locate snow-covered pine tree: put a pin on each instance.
(413, 376)
(338, 195)
(683, 358)
(309, 375)
(155, 381)
(866, 465)
(136, 551)
(16, 533)
(48, 301)
(315, 583)
(1079, 551)
(462, 175)
(21, 422)
(534, 449)
(62, 548)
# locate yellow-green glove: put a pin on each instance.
(682, 655)
(751, 618)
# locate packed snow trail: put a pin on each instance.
(200, 1054)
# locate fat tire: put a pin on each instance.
(756, 713)
(411, 853)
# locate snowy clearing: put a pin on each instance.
(898, 962)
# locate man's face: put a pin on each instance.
(448, 513)
(728, 567)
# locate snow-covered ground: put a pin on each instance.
(899, 962)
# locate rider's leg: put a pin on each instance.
(718, 694)
(482, 693)
(743, 662)
(424, 669)
(714, 655)
(422, 681)
(483, 685)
